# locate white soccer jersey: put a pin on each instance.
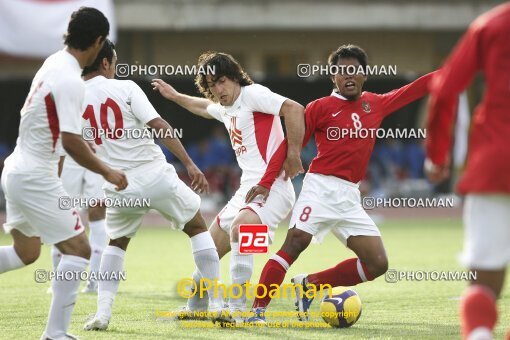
(53, 105)
(254, 127)
(113, 105)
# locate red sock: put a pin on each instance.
(478, 309)
(273, 273)
(347, 273)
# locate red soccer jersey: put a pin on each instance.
(485, 47)
(327, 117)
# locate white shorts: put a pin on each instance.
(487, 232)
(32, 203)
(330, 203)
(80, 182)
(277, 206)
(159, 183)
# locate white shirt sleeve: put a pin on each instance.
(261, 99)
(68, 95)
(140, 104)
(215, 111)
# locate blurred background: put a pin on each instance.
(269, 39)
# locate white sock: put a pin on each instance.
(98, 241)
(112, 261)
(208, 264)
(64, 295)
(241, 268)
(56, 256)
(9, 260)
(195, 303)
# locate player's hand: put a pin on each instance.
(198, 181)
(166, 90)
(255, 191)
(436, 173)
(292, 166)
(118, 178)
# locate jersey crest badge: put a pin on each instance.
(366, 107)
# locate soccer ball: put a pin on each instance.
(341, 308)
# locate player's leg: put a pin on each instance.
(92, 188)
(358, 232)
(241, 265)
(24, 251)
(75, 258)
(370, 263)
(112, 261)
(206, 257)
(222, 243)
(181, 206)
(220, 232)
(276, 268)
(123, 223)
(37, 198)
(26, 245)
(478, 309)
(271, 212)
(98, 241)
(487, 253)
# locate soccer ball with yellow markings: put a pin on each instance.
(341, 308)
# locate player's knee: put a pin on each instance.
(84, 251)
(195, 226)
(378, 265)
(96, 213)
(121, 243)
(29, 256)
(234, 233)
(194, 229)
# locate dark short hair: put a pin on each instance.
(105, 52)
(223, 64)
(85, 26)
(348, 51)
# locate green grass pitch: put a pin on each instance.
(158, 258)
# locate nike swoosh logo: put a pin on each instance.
(336, 114)
(338, 300)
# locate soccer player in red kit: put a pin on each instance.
(486, 180)
(330, 198)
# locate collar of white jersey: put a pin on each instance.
(338, 95)
(95, 79)
(230, 110)
(73, 58)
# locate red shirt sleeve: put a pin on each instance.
(275, 164)
(394, 100)
(454, 76)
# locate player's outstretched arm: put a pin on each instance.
(198, 180)
(294, 114)
(78, 149)
(194, 105)
(396, 99)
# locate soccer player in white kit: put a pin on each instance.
(122, 105)
(250, 113)
(82, 183)
(50, 122)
